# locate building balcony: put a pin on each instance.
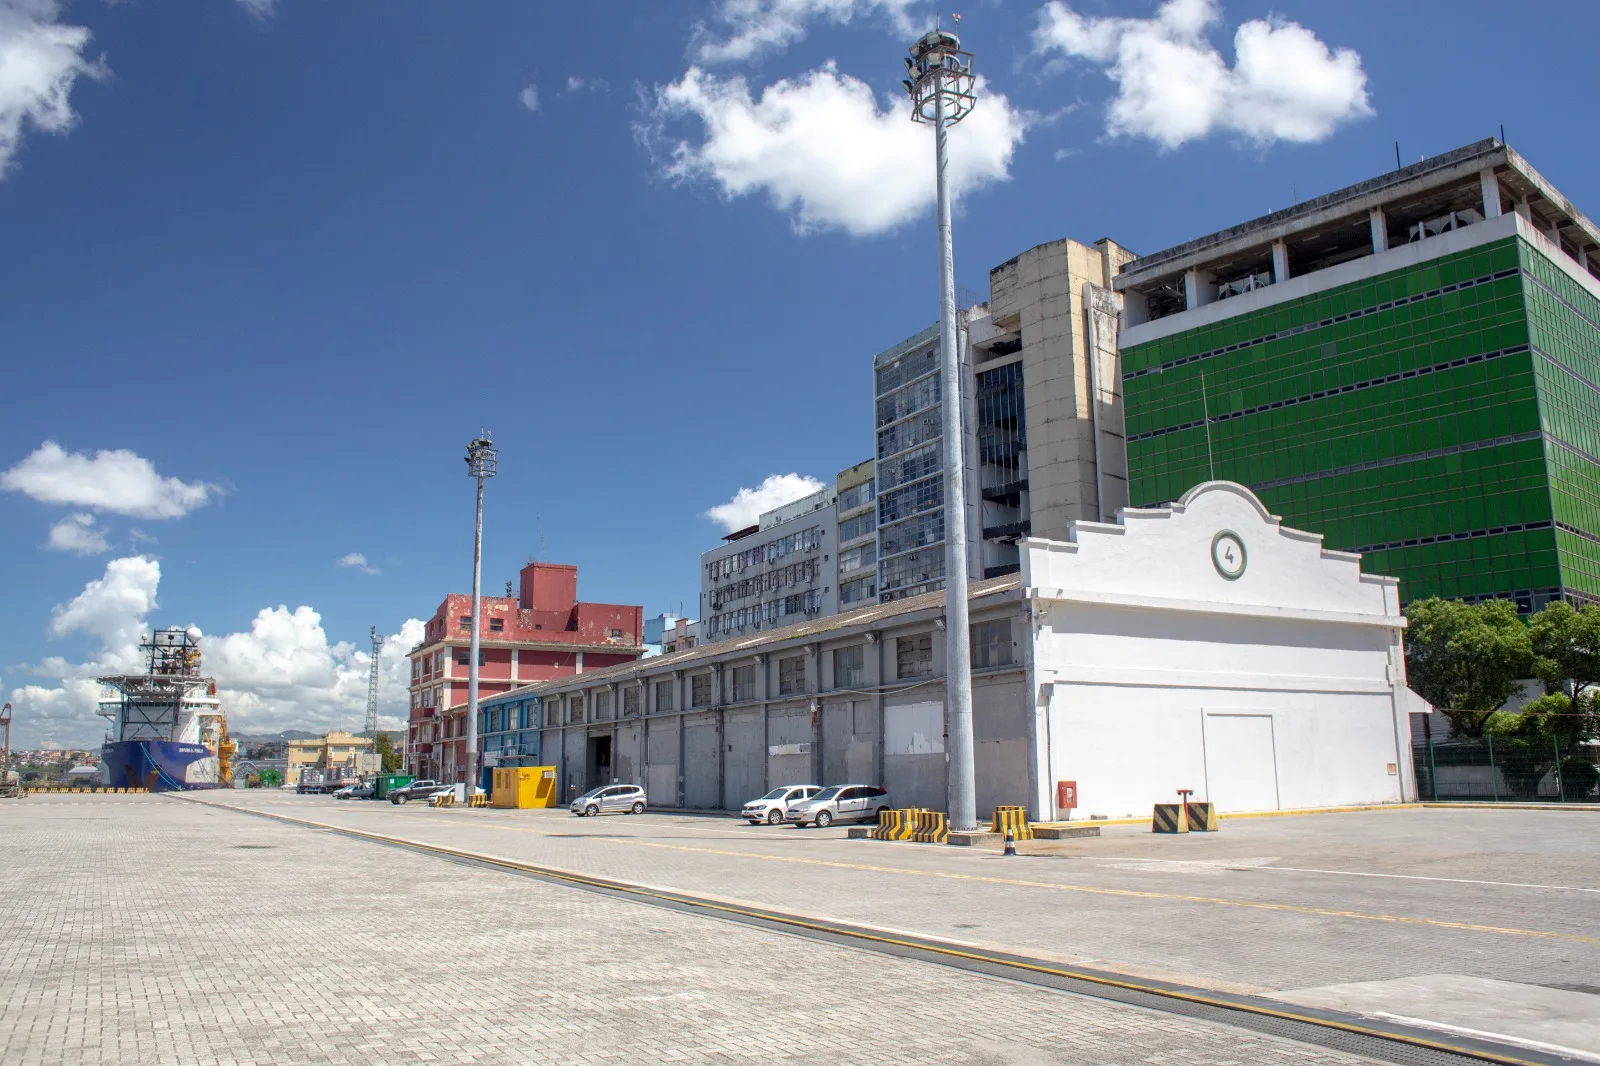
(1009, 531)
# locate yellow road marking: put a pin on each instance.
(1125, 893)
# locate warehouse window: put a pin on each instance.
(602, 704)
(848, 667)
(991, 644)
(744, 683)
(630, 700)
(466, 622)
(497, 625)
(914, 656)
(664, 696)
(791, 675)
(575, 704)
(700, 690)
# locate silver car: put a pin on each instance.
(775, 804)
(627, 798)
(839, 803)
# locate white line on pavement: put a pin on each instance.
(1223, 864)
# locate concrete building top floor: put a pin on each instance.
(1469, 185)
(545, 613)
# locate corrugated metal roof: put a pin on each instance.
(861, 618)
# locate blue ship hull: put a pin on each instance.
(159, 765)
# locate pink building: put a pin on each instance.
(542, 633)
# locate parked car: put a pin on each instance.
(629, 798)
(355, 791)
(416, 790)
(839, 803)
(775, 804)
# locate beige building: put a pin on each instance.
(343, 753)
(1052, 311)
(1043, 420)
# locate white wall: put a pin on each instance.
(1274, 690)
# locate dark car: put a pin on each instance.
(416, 790)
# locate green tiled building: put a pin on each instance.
(1410, 367)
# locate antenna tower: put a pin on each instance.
(372, 686)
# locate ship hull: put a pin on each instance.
(159, 765)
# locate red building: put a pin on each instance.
(542, 633)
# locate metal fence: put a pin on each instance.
(1507, 770)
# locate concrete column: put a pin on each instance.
(763, 677)
(1135, 308)
(1280, 262)
(1199, 288)
(678, 802)
(580, 662)
(872, 661)
(722, 758)
(1380, 230)
(1523, 210)
(1491, 192)
(513, 667)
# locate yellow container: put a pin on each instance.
(524, 786)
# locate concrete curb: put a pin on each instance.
(1471, 806)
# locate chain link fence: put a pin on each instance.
(1507, 770)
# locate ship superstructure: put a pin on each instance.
(167, 729)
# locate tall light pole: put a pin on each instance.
(941, 88)
(482, 462)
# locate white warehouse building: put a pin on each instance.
(1197, 646)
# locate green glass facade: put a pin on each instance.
(1443, 420)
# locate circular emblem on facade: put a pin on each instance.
(1227, 554)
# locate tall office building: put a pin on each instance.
(856, 561)
(1043, 418)
(1409, 366)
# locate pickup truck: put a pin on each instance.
(416, 790)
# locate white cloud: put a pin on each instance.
(747, 29)
(79, 534)
(529, 97)
(1173, 86)
(284, 673)
(749, 504)
(357, 561)
(40, 61)
(112, 608)
(116, 481)
(822, 150)
(576, 84)
(261, 9)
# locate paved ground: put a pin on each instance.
(156, 930)
(1264, 905)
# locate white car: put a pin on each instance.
(772, 807)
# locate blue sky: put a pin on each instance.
(295, 254)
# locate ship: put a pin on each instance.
(168, 732)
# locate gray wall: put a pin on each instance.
(887, 732)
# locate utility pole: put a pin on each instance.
(482, 462)
(941, 87)
(372, 689)
(5, 733)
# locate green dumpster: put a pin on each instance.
(386, 783)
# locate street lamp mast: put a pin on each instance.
(482, 462)
(941, 86)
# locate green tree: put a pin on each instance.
(1466, 658)
(390, 759)
(1543, 736)
(1566, 646)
